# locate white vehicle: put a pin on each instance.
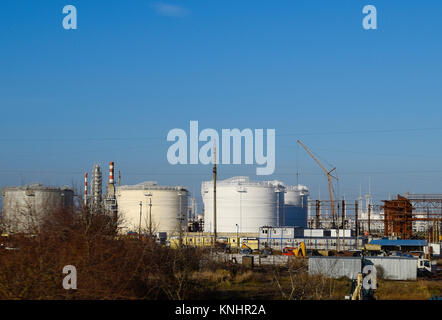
(423, 266)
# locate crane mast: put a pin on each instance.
(329, 179)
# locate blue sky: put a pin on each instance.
(367, 102)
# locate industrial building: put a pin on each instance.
(314, 239)
(148, 207)
(243, 205)
(24, 208)
(399, 245)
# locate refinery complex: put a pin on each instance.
(252, 222)
(221, 155)
(239, 212)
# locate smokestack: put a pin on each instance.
(111, 173)
(110, 194)
(85, 189)
(110, 201)
(97, 187)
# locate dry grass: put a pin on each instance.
(213, 277)
(408, 290)
(247, 277)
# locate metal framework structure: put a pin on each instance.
(428, 208)
(398, 216)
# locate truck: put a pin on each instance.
(424, 267)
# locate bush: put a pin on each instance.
(108, 267)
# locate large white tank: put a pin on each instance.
(296, 206)
(242, 205)
(24, 208)
(168, 205)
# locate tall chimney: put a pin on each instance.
(111, 173)
(110, 194)
(97, 187)
(85, 189)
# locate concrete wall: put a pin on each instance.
(257, 260)
(335, 267)
(394, 268)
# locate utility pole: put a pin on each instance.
(214, 193)
(148, 194)
(181, 222)
(343, 224)
(428, 234)
(337, 233)
(369, 222)
(150, 215)
(237, 236)
(357, 223)
(139, 227)
(318, 213)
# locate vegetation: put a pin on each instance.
(113, 267)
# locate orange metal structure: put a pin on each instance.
(398, 217)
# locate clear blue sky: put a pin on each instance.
(367, 102)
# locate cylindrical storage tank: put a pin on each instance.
(296, 206)
(242, 206)
(24, 208)
(167, 206)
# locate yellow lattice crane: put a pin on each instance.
(329, 178)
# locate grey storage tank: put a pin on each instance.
(24, 208)
(296, 206)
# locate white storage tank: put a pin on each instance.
(296, 206)
(24, 208)
(243, 205)
(168, 211)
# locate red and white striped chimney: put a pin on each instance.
(85, 189)
(111, 173)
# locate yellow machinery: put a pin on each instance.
(325, 253)
(244, 246)
(245, 249)
(372, 247)
(357, 293)
(300, 250)
(251, 243)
